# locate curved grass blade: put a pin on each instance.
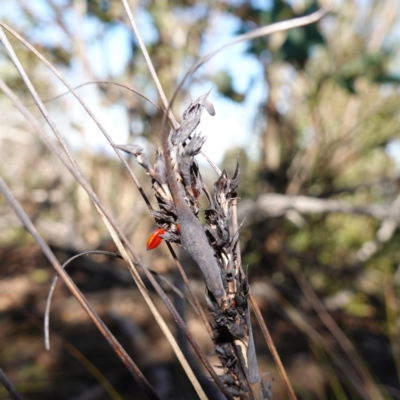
(106, 253)
(102, 83)
(256, 33)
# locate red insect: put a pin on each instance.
(155, 239)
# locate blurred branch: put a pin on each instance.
(384, 234)
(149, 63)
(276, 205)
(386, 21)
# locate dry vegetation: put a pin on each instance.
(319, 202)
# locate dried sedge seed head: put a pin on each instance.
(230, 319)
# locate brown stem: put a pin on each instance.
(272, 348)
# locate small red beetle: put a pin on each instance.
(155, 239)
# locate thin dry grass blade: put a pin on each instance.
(9, 386)
(93, 370)
(102, 83)
(106, 253)
(263, 31)
(338, 334)
(21, 71)
(116, 346)
(149, 63)
(344, 368)
(272, 348)
(157, 81)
